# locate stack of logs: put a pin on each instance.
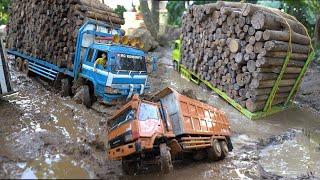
(240, 48)
(48, 29)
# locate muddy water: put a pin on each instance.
(46, 136)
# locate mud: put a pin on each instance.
(46, 136)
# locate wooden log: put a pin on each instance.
(234, 45)
(284, 36)
(266, 96)
(294, 56)
(249, 9)
(268, 61)
(257, 106)
(283, 46)
(289, 70)
(272, 76)
(264, 20)
(270, 83)
(259, 36)
(251, 93)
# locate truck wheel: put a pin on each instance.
(18, 64)
(214, 152)
(65, 87)
(224, 149)
(129, 167)
(86, 98)
(165, 159)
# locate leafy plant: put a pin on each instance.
(175, 11)
(4, 16)
(120, 10)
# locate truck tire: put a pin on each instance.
(86, 98)
(224, 149)
(18, 64)
(165, 159)
(129, 167)
(214, 152)
(65, 87)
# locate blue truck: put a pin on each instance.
(124, 75)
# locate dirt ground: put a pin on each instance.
(46, 136)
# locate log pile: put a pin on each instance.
(240, 48)
(48, 29)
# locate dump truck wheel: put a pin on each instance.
(214, 152)
(65, 87)
(86, 98)
(18, 64)
(224, 149)
(165, 159)
(129, 167)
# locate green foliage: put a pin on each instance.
(175, 11)
(120, 10)
(4, 11)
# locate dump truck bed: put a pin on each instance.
(192, 117)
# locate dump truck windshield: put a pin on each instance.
(125, 116)
(148, 111)
(131, 63)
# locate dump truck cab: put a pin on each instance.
(136, 128)
(144, 132)
(125, 72)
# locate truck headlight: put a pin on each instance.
(128, 137)
(110, 90)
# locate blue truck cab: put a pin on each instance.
(125, 72)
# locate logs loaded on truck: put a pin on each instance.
(61, 40)
(253, 56)
(156, 132)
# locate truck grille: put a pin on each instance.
(119, 140)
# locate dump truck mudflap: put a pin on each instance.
(229, 143)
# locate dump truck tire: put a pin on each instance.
(86, 98)
(165, 159)
(65, 87)
(129, 167)
(214, 152)
(18, 64)
(224, 149)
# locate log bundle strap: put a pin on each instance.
(245, 50)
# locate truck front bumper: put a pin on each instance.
(124, 92)
(119, 152)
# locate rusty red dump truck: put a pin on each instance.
(144, 133)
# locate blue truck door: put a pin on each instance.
(98, 77)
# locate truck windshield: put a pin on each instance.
(148, 111)
(131, 63)
(127, 115)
